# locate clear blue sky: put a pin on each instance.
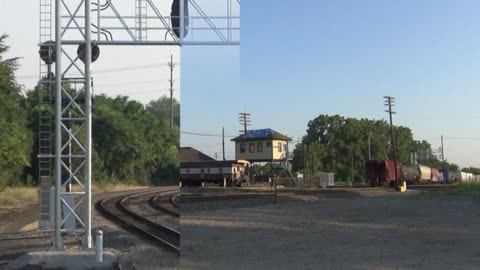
(300, 59)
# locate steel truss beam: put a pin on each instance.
(75, 22)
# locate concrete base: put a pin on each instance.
(68, 260)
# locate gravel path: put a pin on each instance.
(335, 229)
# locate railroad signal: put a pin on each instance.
(47, 52)
(81, 52)
(175, 15)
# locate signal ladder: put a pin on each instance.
(45, 119)
(141, 19)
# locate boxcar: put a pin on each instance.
(382, 172)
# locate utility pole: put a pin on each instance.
(390, 102)
(171, 65)
(351, 183)
(369, 151)
(445, 175)
(245, 121)
(223, 142)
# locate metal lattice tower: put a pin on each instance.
(80, 26)
(141, 7)
(45, 120)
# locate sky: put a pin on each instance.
(140, 72)
(300, 59)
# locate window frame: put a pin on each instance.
(251, 147)
(259, 147)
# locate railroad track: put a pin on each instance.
(115, 208)
(164, 204)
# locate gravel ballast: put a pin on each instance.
(354, 229)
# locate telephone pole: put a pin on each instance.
(171, 65)
(445, 175)
(390, 102)
(369, 146)
(223, 143)
(245, 121)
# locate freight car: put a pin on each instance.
(419, 174)
(233, 172)
(381, 172)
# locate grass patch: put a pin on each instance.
(460, 189)
(18, 197)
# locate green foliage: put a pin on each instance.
(15, 139)
(161, 109)
(132, 144)
(472, 170)
(340, 145)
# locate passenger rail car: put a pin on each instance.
(233, 172)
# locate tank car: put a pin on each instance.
(410, 174)
(425, 174)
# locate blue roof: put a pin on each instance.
(266, 133)
(259, 133)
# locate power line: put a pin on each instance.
(129, 83)
(100, 71)
(204, 134)
(138, 92)
(462, 138)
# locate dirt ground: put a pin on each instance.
(336, 229)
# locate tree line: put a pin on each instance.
(132, 142)
(342, 145)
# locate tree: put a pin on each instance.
(15, 138)
(161, 109)
(340, 145)
(133, 144)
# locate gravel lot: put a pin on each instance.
(335, 229)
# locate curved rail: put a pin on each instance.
(114, 208)
(162, 204)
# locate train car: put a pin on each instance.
(466, 177)
(410, 174)
(382, 172)
(435, 177)
(425, 174)
(198, 172)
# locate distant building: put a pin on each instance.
(190, 154)
(261, 145)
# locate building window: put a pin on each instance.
(280, 147)
(220, 170)
(269, 144)
(242, 148)
(251, 147)
(202, 170)
(260, 147)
